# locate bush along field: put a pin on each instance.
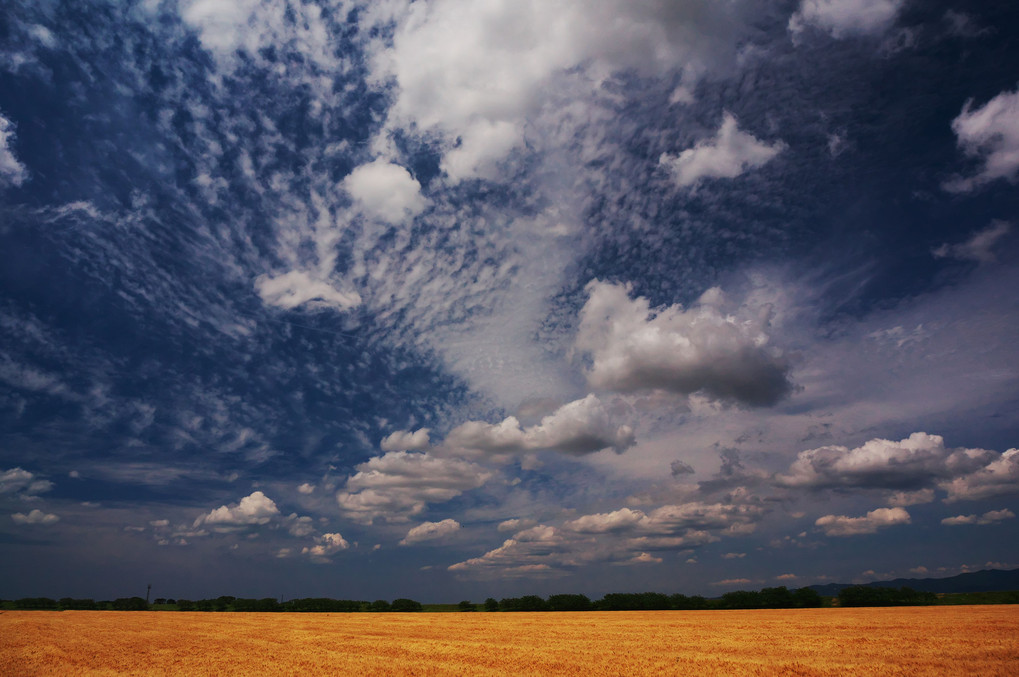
(767, 598)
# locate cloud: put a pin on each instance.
(35, 517)
(255, 509)
(400, 484)
(989, 517)
(990, 133)
(430, 531)
(385, 191)
(840, 525)
(729, 154)
(979, 247)
(404, 440)
(297, 288)
(470, 75)
(22, 482)
(734, 555)
(306, 488)
(328, 544)
(620, 520)
(516, 524)
(700, 350)
(732, 581)
(846, 18)
(904, 499)
(998, 477)
(580, 427)
(12, 172)
(914, 463)
(679, 468)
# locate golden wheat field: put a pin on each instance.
(974, 640)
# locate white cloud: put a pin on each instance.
(405, 440)
(306, 488)
(704, 349)
(35, 517)
(430, 531)
(298, 288)
(385, 191)
(728, 154)
(328, 544)
(734, 555)
(990, 133)
(516, 524)
(840, 525)
(470, 74)
(979, 247)
(580, 427)
(12, 172)
(904, 499)
(998, 477)
(22, 482)
(989, 517)
(252, 510)
(619, 520)
(401, 484)
(914, 463)
(846, 18)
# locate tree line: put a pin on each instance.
(766, 598)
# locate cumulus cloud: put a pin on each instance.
(580, 427)
(12, 172)
(700, 350)
(299, 288)
(979, 247)
(989, 517)
(840, 525)
(730, 153)
(998, 477)
(430, 531)
(621, 537)
(35, 517)
(913, 463)
(385, 191)
(22, 482)
(404, 440)
(306, 488)
(911, 467)
(515, 524)
(991, 134)
(327, 544)
(846, 18)
(401, 484)
(252, 510)
(469, 75)
(621, 519)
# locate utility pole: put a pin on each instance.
(147, 593)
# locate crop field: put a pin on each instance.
(959, 640)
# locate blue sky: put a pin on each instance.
(451, 300)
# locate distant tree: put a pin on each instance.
(805, 598)
(223, 602)
(130, 604)
(865, 595)
(185, 605)
(204, 605)
(380, 605)
(776, 598)
(170, 601)
(36, 603)
(525, 603)
(682, 602)
(403, 604)
(160, 601)
(644, 601)
(77, 604)
(466, 605)
(569, 603)
(491, 604)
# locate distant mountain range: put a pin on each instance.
(988, 580)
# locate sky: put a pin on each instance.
(453, 300)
